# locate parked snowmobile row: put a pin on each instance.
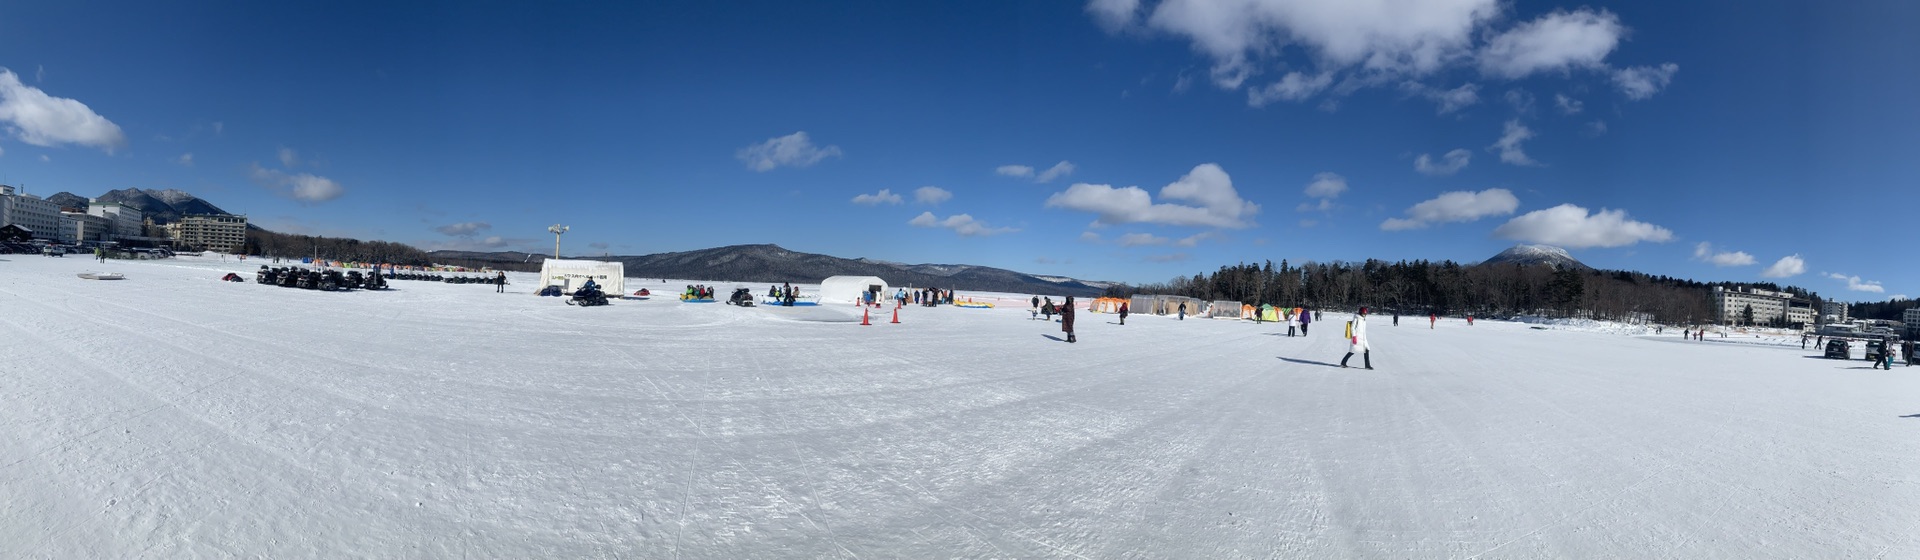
(323, 280)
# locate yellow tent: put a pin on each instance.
(1106, 305)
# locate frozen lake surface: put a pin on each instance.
(173, 415)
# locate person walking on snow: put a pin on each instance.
(1036, 307)
(500, 283)
(1359, 340)
(1183, 311)
(1123, 313)
(1396, 318)
(1293, 322)
(1066, 319)
(1431, 319)
(1306, 318)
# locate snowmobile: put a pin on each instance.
(374, 281)
(742, 297)
(588, 296)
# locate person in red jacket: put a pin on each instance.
(1066, 319)
(1431, 319)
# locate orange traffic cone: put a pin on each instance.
(896, 315)
(863, 317)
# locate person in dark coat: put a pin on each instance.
(1123, 313)
(1066, 319)
(500, 283)
(1306, 318)
(1047, 310)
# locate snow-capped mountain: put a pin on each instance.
(1536, 254)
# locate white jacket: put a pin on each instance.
(1359, 334)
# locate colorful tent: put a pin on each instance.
(1108, 305)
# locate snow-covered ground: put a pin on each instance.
(173, 415)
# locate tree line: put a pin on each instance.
(1449, 288)
(293, 246)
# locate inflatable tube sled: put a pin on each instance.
(101, 275)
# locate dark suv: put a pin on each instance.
(1839, 349)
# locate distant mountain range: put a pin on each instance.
(163, 206)
(1537, 254)
(766, 264)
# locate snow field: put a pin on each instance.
(170, 414)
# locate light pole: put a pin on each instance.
(557, 229)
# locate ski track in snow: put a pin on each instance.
(170, 414)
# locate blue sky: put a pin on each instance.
(1115, 140)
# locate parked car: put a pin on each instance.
(1875, 349)
(1839, 349)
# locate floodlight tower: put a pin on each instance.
(557, 229)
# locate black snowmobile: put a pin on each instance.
(588, 296)
(742, 297)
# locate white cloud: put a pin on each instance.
(304, 186)
(1509, 144)
(1521, 100)
(1641, 82)
(792, 150)
(1854, 283)
(885, 196)
(44, 120)
(1207, 186)
(1790, 265)
(962, 224)
(1140, 239)
(1327, 185)
(1704, 252)
(1090, 237)
(1325, 204)
(288, 158)
(1148, 239)
(1567, 105)
(1175, 257)
(1596, 128)
(464, 229)
(1399, 37)
(1114, 15)
(1455, 206)
(1450, 163)
(185, 159)
(1294, 86)
(1570, 226)
(1062, 169)
(931, 195)
(1350, 45)
(1456, 99)
(1555, 42)
(44, 158)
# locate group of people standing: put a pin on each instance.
(932, 296)
(783, 293)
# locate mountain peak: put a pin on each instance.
(1525, 254)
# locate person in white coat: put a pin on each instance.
(1293, 322)
(1359, 340)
